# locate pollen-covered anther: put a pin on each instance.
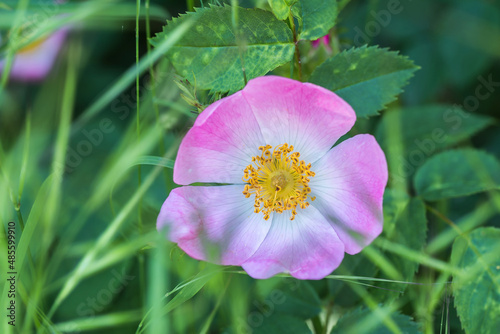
(278, 180)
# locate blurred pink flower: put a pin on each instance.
(34, 62)
(288, 202)
(325, 40)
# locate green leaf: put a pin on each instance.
(187, 290)
(395, 202)
(364, 320)
(409, 227)
(34, 218)
(281, 324)
(300, 300)
(154, 161)
(477, 288)
(457, 173)
(280, 8)
(429, 129)
(352, 265)
(289, 296)
(368, 78)
(99, 322)
(464, 34)
(210, 54)
(92, 286)
(315, 17)
(190, 288)
(175, 35)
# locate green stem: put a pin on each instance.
(296, 42)
(17, 207)
(140, 255)
(15, 32)
(335, 44)
(329, 310)
(22, 173)
(156, 109)
(318, 328)
(239, 39)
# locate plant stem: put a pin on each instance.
(296, 42)
(318, 328)
(161, 148)
(329, 310)
(140, 255)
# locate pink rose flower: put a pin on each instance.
(288, 201)
(325, 40)
(34, 62)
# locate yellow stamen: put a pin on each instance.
(279, 181)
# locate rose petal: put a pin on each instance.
(349, 187)
(307, 247)
(304, 115)
(34, 64)
(213, 223)
(269, 110)
(220, 145)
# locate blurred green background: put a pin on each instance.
(85, 167)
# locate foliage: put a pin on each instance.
(86, 159)
(214, 53)
(365, 321)
(457, 173)
(477, 285)
(368, 78)
(316, 17)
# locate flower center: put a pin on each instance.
(279, 181)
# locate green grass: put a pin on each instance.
(77, 231)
